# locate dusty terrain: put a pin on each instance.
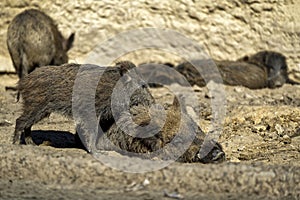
(260, 136)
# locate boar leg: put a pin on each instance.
(24, 123)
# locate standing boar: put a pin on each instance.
(50, 89)
(33, 40)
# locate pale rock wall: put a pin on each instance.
(225, 29)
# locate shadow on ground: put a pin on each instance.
(57, 139)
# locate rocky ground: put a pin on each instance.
(260, 136)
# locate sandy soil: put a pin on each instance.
(260, 136)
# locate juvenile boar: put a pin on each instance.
(169, 137)
(33, 40)
(275, 65)
(49, 89)
(232, 73)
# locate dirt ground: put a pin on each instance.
(260, 136)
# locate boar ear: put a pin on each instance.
(68, 43)
(176, 103)
(125, 66)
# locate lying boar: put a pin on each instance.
(228, 72)
(275, 65)
(175, 136)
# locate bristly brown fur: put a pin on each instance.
(274, 64)
(33, 40)
(49, 89)
(230, 73)
(261, 70)
(169, 137)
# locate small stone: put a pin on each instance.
(241, 148)
(146, 182)
(234, 160)
(208, 95)
(173, 195)
(279, 129)
(272, 135)
(239, 89)
(231, 99)
(286, 139)
(247, 96)
(260, 128)
(196, 88)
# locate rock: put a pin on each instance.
(234, 160)
(247, 96)
(239, 89)
(279, 129)
(196, 88)
(286, 139)
(259, 128)
(241, 148)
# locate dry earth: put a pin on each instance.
(261, 138)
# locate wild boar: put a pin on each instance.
(33, 40)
